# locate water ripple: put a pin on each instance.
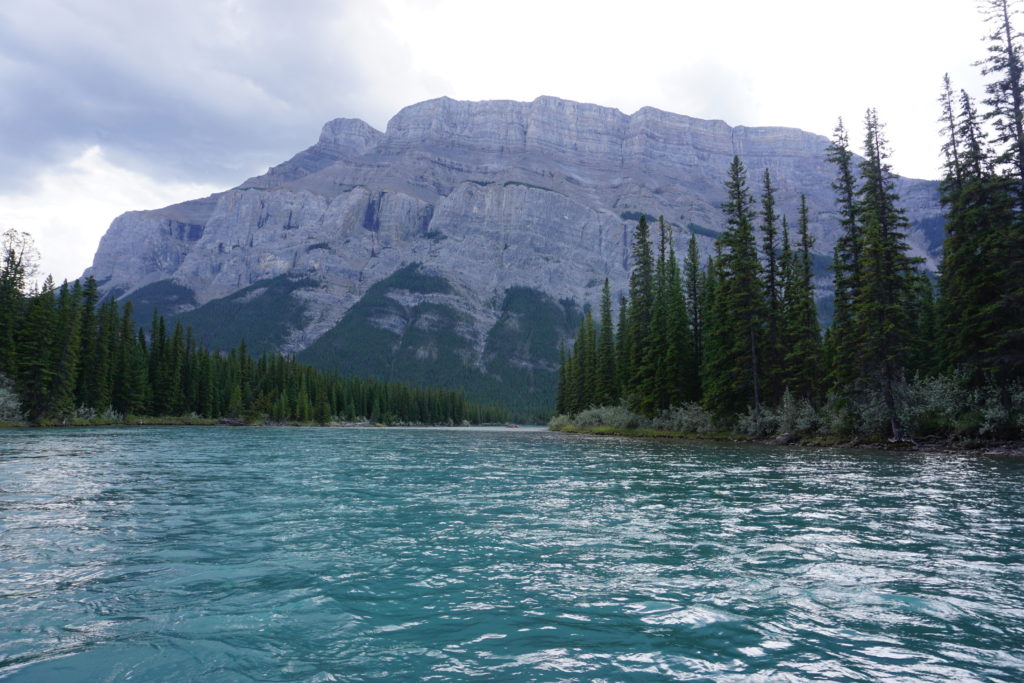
(333, 555)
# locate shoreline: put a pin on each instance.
(932, 444)
(993, 448)
(167, 421)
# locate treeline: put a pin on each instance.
(67, 354)
(737, 346)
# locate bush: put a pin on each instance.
(559, 422)
(10, 404)
(932, 405)
(767, 425)
(618, 417)
(689, 417)
(796, 416)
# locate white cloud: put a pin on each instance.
(73, 203)
(216, 90)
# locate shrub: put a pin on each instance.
(689, 417)
(618, 417)
(559, 422)
(10, 404)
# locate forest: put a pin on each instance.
(68, 357)
(734, 345)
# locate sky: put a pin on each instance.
(116, 105)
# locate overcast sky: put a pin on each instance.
(115, 105)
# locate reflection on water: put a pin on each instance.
(346, 554)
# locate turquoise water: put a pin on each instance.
(159, 554)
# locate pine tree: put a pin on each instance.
(881, 309)
(655, 395)
(562, 390)
(35, 357)
(694, 282)
(623, 349)
(733, 377)
(846, 265)
(680, 356)
(772, 354)
(17, 253)
(65, 349)
(607, 387)
(129, 397)
(87, 354)
(1006, 116)
(640, 383)
(801, 333)
(1006, 92)
(976, 314)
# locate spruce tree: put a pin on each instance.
(846, 266)
(17, 253)
(641, 315)
(772, 346)
(35, 356)
(607, 387)
(881, 309)
(680, 358)
(975, 310)
(65, 349)
(1006, 116)
(694, 284)
(733, 377)
(801, 332)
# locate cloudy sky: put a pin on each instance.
(116, 105)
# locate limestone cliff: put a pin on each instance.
(489, 198)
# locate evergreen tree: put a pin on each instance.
(65, 349)
(881, 309)
(680, 358)
(130, 394)
(89, 378)
(976, 310)
(846, 265)
(655, 395)
(1006, 116)
(18, 255)
(35, 344)
(1006, 92)
(607, 386)
(772, 354)
(801, 335)
(640, 382)
(733, 373)
(562, 390)
(623, 349)
(694, 282)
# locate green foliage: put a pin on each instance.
(264, 313)
(689, 418)
(735, 325)
(164, 295)
(10, 404)
(618, 417)
(68, 350)
(401, 330)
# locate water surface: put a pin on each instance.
(289, 554)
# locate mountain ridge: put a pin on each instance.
(488, 196)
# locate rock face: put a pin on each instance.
(464, 220)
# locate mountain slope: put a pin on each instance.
(502, 202)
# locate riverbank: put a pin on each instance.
(923, 445)
(193, 421)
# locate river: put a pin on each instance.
(320, 554)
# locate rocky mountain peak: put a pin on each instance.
(349, 137)
(460, 222)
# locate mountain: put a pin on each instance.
(460, 245)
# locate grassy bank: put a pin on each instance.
(929, 444)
